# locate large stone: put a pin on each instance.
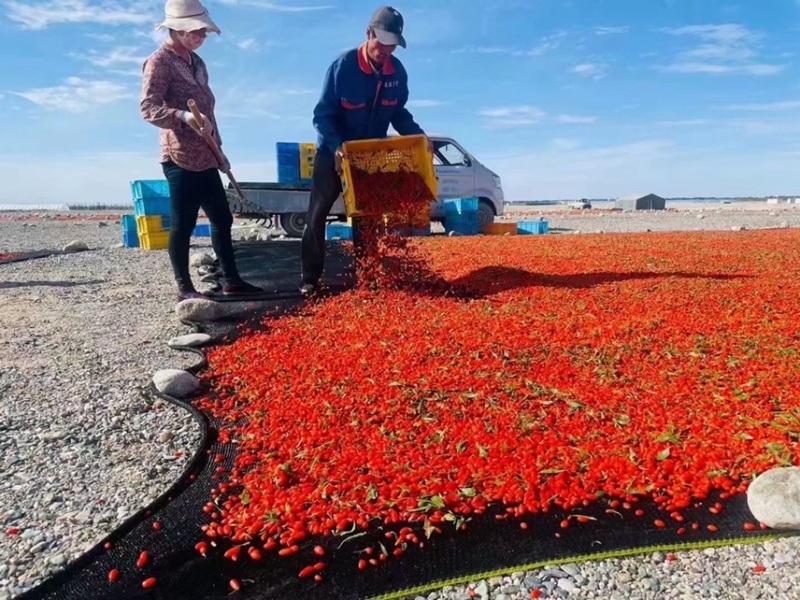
(200, 258)
(175, 383)
(76, 246)
(774, 498)
(192, 340)
(198, 309)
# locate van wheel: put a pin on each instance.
(485, 213)
(293, 224)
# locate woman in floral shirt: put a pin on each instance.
(173, 74)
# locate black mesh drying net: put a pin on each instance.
(488, 547)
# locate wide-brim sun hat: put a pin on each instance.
(187, 15)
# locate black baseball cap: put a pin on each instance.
(387, 23)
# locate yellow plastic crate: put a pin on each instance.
(154, 241)
(152, 224)
(408, 153)
(307, 154)
(499, 229)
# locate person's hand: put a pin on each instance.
(207, 127)
(337, 157)
(225, 167)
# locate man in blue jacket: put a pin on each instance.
(365, 91)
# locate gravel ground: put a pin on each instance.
(81, 448)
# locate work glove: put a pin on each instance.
(207, 128)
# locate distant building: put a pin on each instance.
(641, 202)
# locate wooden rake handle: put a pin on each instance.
(214, 147)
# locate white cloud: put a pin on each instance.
(77, 95)
(523, 116)
(157, 36)
(768, 106)
(592, 70)
(564, 144)
(718, 69)
(611, 30)
(123, 55)
(546, 44)
(574, 119)
(273, 6)
(248, 44)
(683, 123)
(280, 103)
(425, 103)
(43, 13)
(723, 49)
(483, 50)
(512, 116)
(101, 37)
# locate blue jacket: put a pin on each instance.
(358, 104)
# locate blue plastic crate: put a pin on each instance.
(130, 239)
(289, 173)
(467, 223)
(202, 230)
(532, 227)
(149, 188)
(461, 205)
(287, 148)
(421, 231)
(338, 230)
(149, 207)
(129, 223)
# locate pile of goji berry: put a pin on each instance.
(584, 370)
(393, 203)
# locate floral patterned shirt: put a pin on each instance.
(168, 83)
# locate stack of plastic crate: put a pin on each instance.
(295, 162)
(130, 238)
(151, 206)
(461, 216)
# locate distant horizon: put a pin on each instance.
(121, 206)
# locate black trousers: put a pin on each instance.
(190, 191)
(326, 185)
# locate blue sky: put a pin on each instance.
(564, 99)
